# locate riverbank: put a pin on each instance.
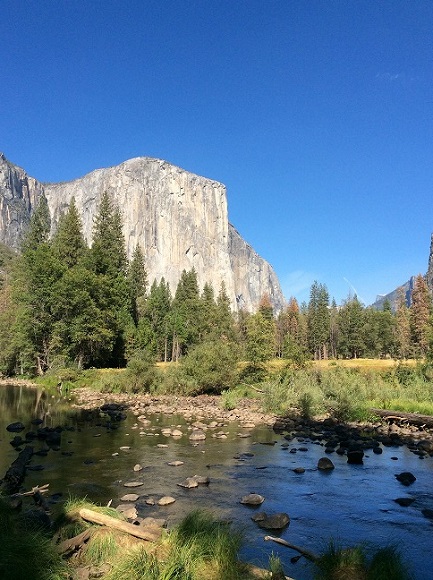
(197, 408)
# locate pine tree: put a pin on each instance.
(318, 321)
(86, 327)
(154, 329)
(260, 345)
(350, 326)
(137, 280)
(184, 314)
(39, 228)
(421, 311)
(107, 259)
(108, 254)
(68, 243)
(37, 272)
(386, 330)
(225, 322)
(402, 331)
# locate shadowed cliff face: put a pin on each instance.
(179, 220)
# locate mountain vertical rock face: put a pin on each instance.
(178, 219)
(19, 194)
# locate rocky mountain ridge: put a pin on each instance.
(179, 219)
(407, 287)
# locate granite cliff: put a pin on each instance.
(179, 219)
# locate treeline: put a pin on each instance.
(65, 304)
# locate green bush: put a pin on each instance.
(229, 399)
(212, 366)
(141, 375)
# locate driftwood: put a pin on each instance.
(17, 471)
(149, 533)
(414, 418)
(37, 493)
(73, 544)
(306, 553)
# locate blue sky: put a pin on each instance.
(316, 115)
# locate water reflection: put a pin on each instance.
(96, 456)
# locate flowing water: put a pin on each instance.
(352, 504)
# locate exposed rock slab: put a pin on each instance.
(179, 219)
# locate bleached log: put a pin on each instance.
(306, 553)
(150, 533)
(413, 418)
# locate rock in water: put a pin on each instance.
(325, 464)
(406, 478)
(275, 521)
(166, 500)
(252, 499)
(179, 220)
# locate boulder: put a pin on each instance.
(275, 521)
(129, 497)
(355, 457)
(166, 500)
(252, 499)
(406, 478)
(16, 427)
(197, 435)
(188, 483)
(325, 464)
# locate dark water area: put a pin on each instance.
(352, 504)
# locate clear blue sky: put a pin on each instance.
(316, 115)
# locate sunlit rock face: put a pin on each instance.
(179, 219)
(19, 194)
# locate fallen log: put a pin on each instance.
(17, 471)
(306, 553)
(149, 533)
(37, 493)
(73, 544)
(413, 418)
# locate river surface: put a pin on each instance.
(352, 504)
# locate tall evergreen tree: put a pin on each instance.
(318, 321)
(68, 243)
(39, 228)
(350, 325)
(107, 259)
(421, 311)
(108, 254)
(402, 330)
(154, 326)
(137, 281)
(184, 314)
(260, 346)
(225, 322)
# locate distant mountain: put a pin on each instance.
(179, 220)
(392, 297)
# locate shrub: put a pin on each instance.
(212, 366)
(141, 375)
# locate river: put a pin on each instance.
(351, 504)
